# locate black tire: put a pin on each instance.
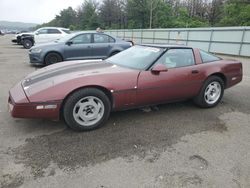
(52, 58)
(70, 107)
(201, 100)
(27, 44)
(113, 53)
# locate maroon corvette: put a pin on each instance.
(85, 92)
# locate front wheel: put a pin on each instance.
(86, 109)
(211, 93)
(52, 58)
(27, 44)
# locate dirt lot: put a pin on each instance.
(176, 145)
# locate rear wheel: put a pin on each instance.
(27, 43)
(211, 92)
(52, 58)
(86, 109)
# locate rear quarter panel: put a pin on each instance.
(232, 70)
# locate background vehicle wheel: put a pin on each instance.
(211, 92)
(86, 109)
(52, 58)
(27, 44)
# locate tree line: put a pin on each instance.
(132, 14)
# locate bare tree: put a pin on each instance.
(215, 11)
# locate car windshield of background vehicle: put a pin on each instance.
(136, 57)
(65, 38)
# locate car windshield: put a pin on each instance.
(136, 57)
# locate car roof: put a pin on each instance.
(166, 45)
(90, 32)
(53, 28)
(82, 32)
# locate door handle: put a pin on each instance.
(195, 71)
(89, 46)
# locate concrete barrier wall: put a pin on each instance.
(224, 40)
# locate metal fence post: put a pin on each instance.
(132, 35)
(210, 40)
(153, 36)
(187, 37)
(141, 35)
(242, 40)
(169, 36)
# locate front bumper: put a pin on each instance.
(20, 107)
(14, 40)
(18, 39)
(36, 58)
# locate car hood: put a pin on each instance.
(73, 74)
(28, 33)
(69, 70)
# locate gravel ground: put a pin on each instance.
(174, 145)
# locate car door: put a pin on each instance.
(180, 81)
(41, 36)
(78, 47)
(102, 45)
(53, 34)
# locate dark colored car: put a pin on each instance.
(18, 37)
(77, 46)
(85, 92)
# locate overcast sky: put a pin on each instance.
(34, 11)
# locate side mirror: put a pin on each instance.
(36, 33)
(69, 43)
(159, 68)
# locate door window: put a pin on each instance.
(82, 39)
(207, 57)
(43, 31)
(101, 38)
(174, 58)
(53, 31)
